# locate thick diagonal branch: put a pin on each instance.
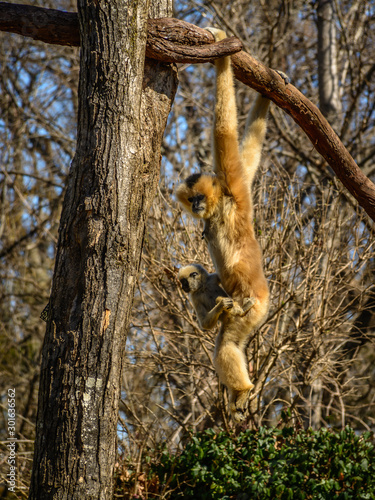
(171, 40)
(267, 82)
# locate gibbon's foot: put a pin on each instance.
(284, 76)
(218, 34)
(238, 416)
(248, 303)
(226, 301)
(239, 406)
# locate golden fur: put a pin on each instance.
(224, 202)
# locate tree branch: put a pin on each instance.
(47, 25)
(269, 83)
(171, 40)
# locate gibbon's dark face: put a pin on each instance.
(185, 283)
(199, 194)
(191, 278)
(198, 203)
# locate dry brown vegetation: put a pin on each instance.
(315, 352)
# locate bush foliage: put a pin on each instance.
(268, 464)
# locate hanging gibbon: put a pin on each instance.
(224, 201)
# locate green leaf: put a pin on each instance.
(364, 464)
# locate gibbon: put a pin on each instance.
(210, 301)
(224, 202)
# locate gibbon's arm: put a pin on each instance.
(208, 319)
(252, 142)
(225, 135)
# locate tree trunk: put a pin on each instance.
(330, 102)
(110, 187)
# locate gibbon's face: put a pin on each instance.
(191, 278)
(199, 195)
(198, 203)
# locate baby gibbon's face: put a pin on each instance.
(191, 278)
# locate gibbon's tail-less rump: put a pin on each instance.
(224, 202)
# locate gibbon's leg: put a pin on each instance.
(230, 365)
(225, 134)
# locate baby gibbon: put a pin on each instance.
(224, 202)
(212, 304)
(210, 301)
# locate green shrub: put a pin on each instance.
(269, 464)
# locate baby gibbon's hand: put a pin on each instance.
(226, 302)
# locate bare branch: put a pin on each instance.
(171, 40)
(267, 82)
(47, 25)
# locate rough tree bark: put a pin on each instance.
(178, 41)
(110, 187)
(330, 106)
(330, 102)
